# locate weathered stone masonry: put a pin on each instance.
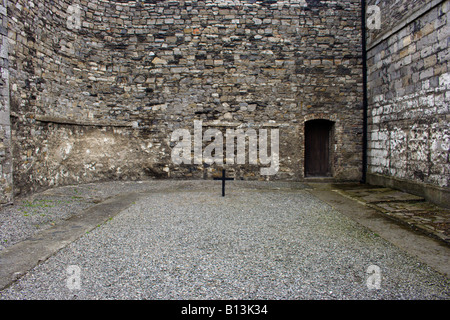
(409, 81)
(97, 87)
(92, 90)
(6, 187)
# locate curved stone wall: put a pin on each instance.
(98, 87)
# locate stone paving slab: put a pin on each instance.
(433, 222)
(410, 206)
(382, 195)
(405, 208)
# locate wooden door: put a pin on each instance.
(317, 148)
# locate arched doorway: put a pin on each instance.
(318, 144)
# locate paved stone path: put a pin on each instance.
(182, 240)
(405, 208)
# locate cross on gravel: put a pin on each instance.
(223, 178)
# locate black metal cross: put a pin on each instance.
(223, 178)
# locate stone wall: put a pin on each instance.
(6, 186)
(97, 87)
(408, 81)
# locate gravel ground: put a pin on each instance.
(43, 210)
(262, 241)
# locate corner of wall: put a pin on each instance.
(6, 184)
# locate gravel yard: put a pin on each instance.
(43, 210)
(182, 240)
